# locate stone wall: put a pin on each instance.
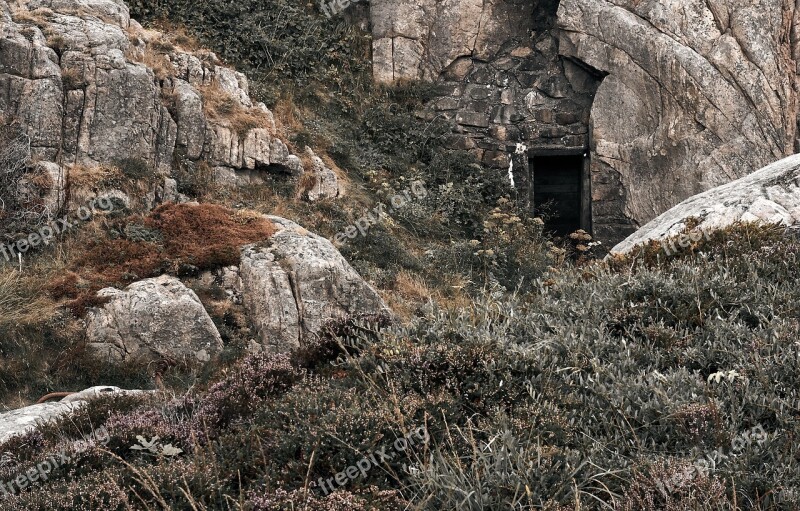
(498, 63)
(694, 93)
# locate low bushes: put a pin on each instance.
(600, 390)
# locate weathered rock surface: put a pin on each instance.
(295, 284)
(21, 421)
(699, 93)
(692, 93)
(153, 319)
(290, 287)
(418, 39)
(90, 86)
(326, 183)
(770, 195)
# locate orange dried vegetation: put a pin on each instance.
(203, 236)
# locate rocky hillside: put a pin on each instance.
(256, 257)
(91, 86)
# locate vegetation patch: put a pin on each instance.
(220, 105)
(600, 389)
(178, 239)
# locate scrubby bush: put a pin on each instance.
(287, 43)
(23, 190)
(134, 168)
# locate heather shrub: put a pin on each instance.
(243, 390)
(372, 500)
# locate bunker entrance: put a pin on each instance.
(560, 192)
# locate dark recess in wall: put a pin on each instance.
(558, 191)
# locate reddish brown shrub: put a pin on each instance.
(203, 236)
(207, 236)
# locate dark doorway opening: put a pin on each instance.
(559, 192)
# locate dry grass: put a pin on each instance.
(88, 178)
(158, 62)
(207, 235)
(203, 236)
(41, 180)
(177, 36)
(221, 106)
(412, 286)
(55, 40)
(153, 57)
(287, 117)
(22, 300)
(307, 183)
(38, 17)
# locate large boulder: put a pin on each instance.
(698, 93)
(23, 420)
(153, 319)
(771, 195)
(297, 283)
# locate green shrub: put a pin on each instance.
(285, 43)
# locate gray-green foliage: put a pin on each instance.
(599, 389)
(604, 379)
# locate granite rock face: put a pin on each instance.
(91, 86)
(153, 319)
(770, 195)
(418, 39)
(699, 93)
(325, 181)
